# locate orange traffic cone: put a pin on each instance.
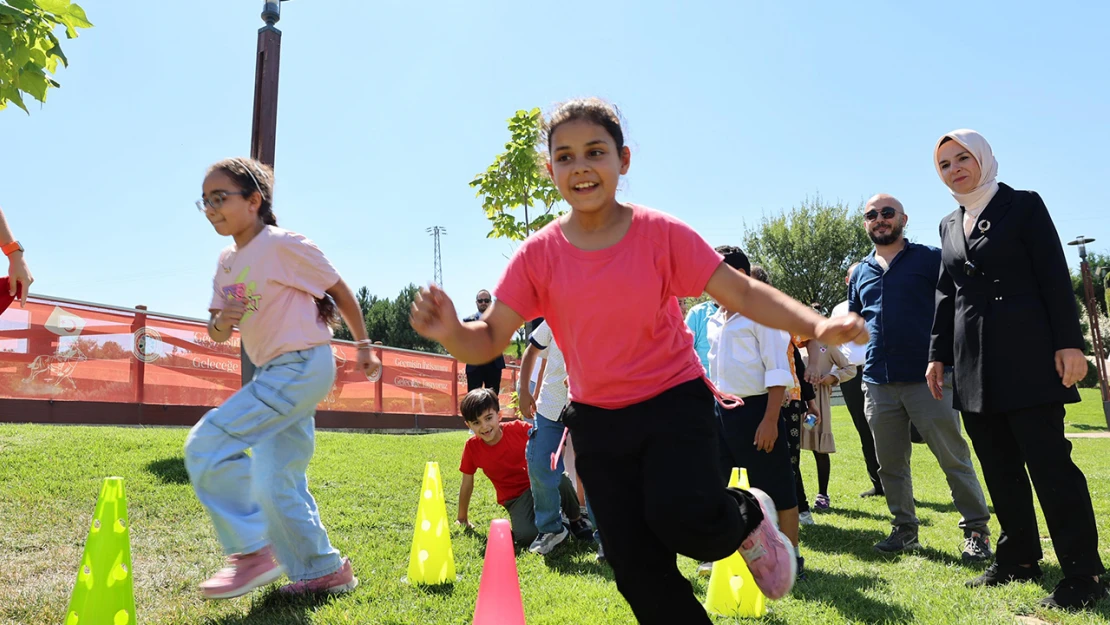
(499, 600)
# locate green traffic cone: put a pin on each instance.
(104, 594)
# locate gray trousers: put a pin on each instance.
(891, 408)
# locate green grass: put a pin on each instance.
(1086, 416)
(367, 487)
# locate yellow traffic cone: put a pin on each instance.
(739, 478)
(732, 589)
(431, 561)
(104, 592)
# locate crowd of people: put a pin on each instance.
(659, 408)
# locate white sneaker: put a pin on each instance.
(806, 518)
(544, 543)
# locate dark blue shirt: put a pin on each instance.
(898, 307)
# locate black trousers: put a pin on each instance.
(489, 378)
(655, 484)
(1008, 443)
(853, 399)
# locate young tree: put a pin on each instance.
(29, 50)
(808, 249)
(518, 179)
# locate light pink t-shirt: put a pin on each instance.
(280, 273)
(614, 311)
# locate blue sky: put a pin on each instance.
(388, 109)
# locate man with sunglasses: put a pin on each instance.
(893, 289)
(489, 374)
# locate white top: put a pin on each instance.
(854, 352)
(553, 393)
(745, 358)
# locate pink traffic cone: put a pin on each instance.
(499, 600)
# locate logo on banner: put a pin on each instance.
(64, 323)
(142, 345)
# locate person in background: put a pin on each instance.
(488, 374)
(1004, 276)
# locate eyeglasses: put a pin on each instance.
(484, 301)
(888, 212)
(216, 199)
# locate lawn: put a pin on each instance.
(367, 486)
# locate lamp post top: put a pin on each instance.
(271, 11)
(1082, 242)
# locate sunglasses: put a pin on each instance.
(484, 301)
(216, 200)
(888, 212)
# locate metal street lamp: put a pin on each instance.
(1092, 315)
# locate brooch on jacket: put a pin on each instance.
(984, 226)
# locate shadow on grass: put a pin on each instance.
(1052, 576)
(578, 557)
(938, 507)
(851, 513)
(861, 544)
(1086, 427)
(845, 593)
(274, 608)
(169, 470)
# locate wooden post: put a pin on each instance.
(455, 387)
(380, 384)
(264, 125)
(138, 364)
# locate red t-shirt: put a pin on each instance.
(614, 312)
(504, 463)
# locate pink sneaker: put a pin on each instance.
(343, 580)
(768, 552)
(242, 574)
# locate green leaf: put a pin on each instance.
(13, 12)
(33, 82)
(57, 7)
(78, 17)
(20, 54)
(57, 50)
(23, 5)
(12, 94)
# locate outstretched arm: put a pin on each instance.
(433, 316)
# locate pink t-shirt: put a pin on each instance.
(614, 311)
(280, 273)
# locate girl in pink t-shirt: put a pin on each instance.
(281, 292)
(606, 276)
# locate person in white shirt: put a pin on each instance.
(551, 489)
(749, 360)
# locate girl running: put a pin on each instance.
(606, 276)
(281, 292)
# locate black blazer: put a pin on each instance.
(1004, 305)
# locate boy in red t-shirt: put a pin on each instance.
(498, 449)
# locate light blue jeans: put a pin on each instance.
(263, 499)
(543, 440)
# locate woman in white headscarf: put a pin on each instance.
(1006, 320)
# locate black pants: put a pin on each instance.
(489, 378)
(792, 415)
(654, 481)
(1008, 443)
(853, 398)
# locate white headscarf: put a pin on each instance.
(978, 198)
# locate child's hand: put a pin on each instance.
(368, 361)
(766, 435)
(842, 329)
(526, 404)
(231, 314)
(433, 314)
(828, 380)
